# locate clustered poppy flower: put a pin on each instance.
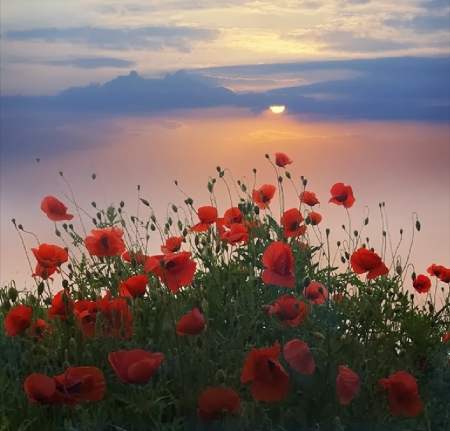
(440, 272)
(235, 234)
(191, 323)
(316, 293)
(299, 357)
(55, 209)
(232, 215)
(289, 310)
(135, 366)
(172, 244)
(363, 260)
(134, 286)
(62, 305)
(309, 198)
(314, 218)
(174, 269)
(50, 256)
(207, 216)
(291, 221)
(342, 195)
(75, 385)
(18, 320)
(212, 402)
(264, 195)
(39, 330)
(105, 242)
(422, 283)
(282, 160)
(269, 381)
(135, 257)
(446, 338)
(403, 394)
(279, 262)
(348, 384)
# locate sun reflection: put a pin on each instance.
(277, 109)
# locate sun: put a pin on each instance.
(277, 109)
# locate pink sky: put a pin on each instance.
(406, 165)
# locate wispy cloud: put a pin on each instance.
(92, 62)
(148, 38)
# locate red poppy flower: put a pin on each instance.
(314, 218)
(264, 195)
(289, 310)
(422, 283)
(213, 401)
(137, 257)
(105, 242)
(135, 366)
(207, 216)
(282, 160)
(269, 381)
(86, 313)
(40, 388)
(446, 338)
(403, 394)
(297, 354)
(45, 273)
(172, 245)
(62, 305)
(309, 198)
(134, 286)
(237, 233)
(279, 261)
(55, 209)
(39, 330)
(119, 320)
(440, 272)
(348, 384)
(75, 385)
(191, 323)
(232, 215)
(290, 221)
(78, 384)
(363, 260)
(174, 269)
(342, 195)
(50, 256)
(316, 293)
(18, 320)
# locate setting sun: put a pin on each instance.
(277, 109)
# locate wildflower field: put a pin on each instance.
(246, 320)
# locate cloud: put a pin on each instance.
(422, 24)
(149, 38)
(91, 62)
(398, 88)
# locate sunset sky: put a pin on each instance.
(148, 92)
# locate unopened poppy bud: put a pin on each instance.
(401, 231)
(431, 307)
(14, 221)
(221, 174)
(7, 305)
(218, 169)
(347, 255)
(366, 221)
(327, 231)
(355, 232)
(94, 221)
(243, 188)
(288, 175)
(72, 344)
(256, 210)
(66, 364)
(64, 225)
(203, 241)
(65, 284)
(190, 201)
(338, 243)
(280, 179)
(266, 156)
(40, 289)
(65, 298)
(343, 337)
(418, 225)
(220, 376)
(343, 259)
(399, 270)
(20, 227)
(145, 202)
(87, 356)
(306, 281)
(304, 182)
(413, 276)
(152, 227)
(411, 297)
(318, 335)
(12, 293)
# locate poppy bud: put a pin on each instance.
(343, 337)
(266, 156)
(347, 255)
(401, 231)
(66, 364)
(418, 225)
(40, 289)
(145, 202)
(288, 175)
(220, 376)
(366, 221)
(185, 232)
(7, 305)
(190, 201)
(304, 182)
(306, 281)
(338, 243)
(64, 225)
(256, 210)
(152, 227)
(399, 269)
(280, 179)
(218, 169)
(94, 221)
(72, 344)
(65, 284)
(12, 293)
(327, 231)
(319, 336)
(343, 259)
(20, 227)
(413, 276)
